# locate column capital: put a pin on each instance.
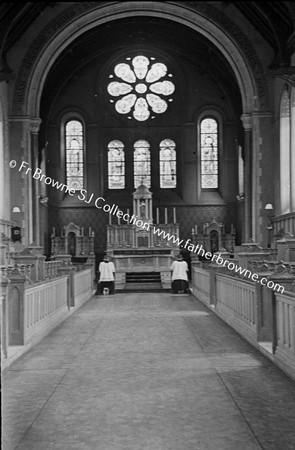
(247, 121)
(30, 124)
(35, 125)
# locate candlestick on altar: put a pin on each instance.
(119, 221)
(193, 231)
(174, 214)
(157, 215)
(204, 229)
(110, 219)
(166, 217)
(196, 229)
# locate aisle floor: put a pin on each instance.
(146, 371)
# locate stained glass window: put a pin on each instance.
(209, 153)
(167, 164)
(74, 154)
(116, 165)
(142, 164)
(139, 86)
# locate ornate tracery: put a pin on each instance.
(141, 88)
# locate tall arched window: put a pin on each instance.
(116, 165)
(209, 153)
(74, 143)
(167, 164)
(142, 164)
(285, 152)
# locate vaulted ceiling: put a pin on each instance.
(15, 19)
(275, 21)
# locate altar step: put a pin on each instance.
(143, 281)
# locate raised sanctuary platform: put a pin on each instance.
(142, 247)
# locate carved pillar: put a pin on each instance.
(190, 174)
(4, 315)
(16, 305)
(214, 269)
(292, 162)
(263, 157)
(20, 148)
(247, 124)
(91, 264)
(35, 126)
(69, 270)
(35, 260)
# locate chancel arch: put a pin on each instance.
(36, 69)
(138, 121)
(38, 64)
(239, 59)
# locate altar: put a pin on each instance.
(140, 250)
(72, 243)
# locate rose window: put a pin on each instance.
(141, 88)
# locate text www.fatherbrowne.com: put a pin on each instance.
(99, 203)
(199, 250)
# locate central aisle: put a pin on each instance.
(146, 372)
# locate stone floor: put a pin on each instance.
(146, 371)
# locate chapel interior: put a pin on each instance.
(179, 113)
(203, 86)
